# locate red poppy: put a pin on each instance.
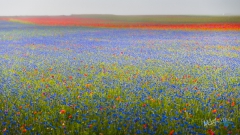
(4, 130)
(24, 130)
(88, 85)
(18, 113)
(171, 132)
(118, 98)
(214, 111)
(62, 111)
(210, 132)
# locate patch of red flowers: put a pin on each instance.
(96, 22)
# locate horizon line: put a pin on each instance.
(125, 15)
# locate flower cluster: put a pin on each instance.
(75, 80)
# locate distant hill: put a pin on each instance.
(165, 19)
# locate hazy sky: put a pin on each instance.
(119, 7)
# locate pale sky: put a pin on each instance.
(119, 7)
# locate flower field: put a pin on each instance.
(105, 81)
(153, 23)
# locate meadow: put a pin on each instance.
(109, 81)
